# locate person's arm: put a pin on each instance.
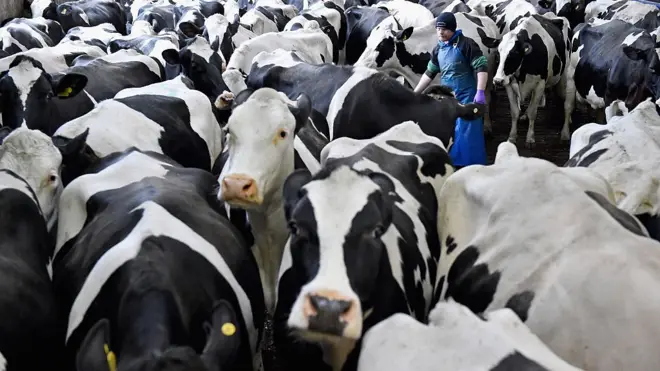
(479, 64)
(432, 70)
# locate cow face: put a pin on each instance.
(201, 65)
(260, 135)
(336, 247)
(71, 16)
(380, 47)
(28, 95)
(32, 155)
(512, 49)
(222, 344)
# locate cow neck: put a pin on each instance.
(147, 325)
(270, 234)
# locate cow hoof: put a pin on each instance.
(523, 118)
(565, 136)
(530, 143)
(512, 139)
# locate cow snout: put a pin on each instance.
(330, 313)
(500, 80)
(239, 187)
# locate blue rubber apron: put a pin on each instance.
(469, 146)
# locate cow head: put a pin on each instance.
(513, 49)
(44, 8)
(29, 96)
(642, 47)
(260, 136)
(70, 15)
(223, 331)
(382, 44)
(573, 10)
(336, 248)
(32, 155)
(201, 65)
(220, 31)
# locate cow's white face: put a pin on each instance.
(32, 155)
(260, 134)
(381, 37)
(512, 52)
(336, 248)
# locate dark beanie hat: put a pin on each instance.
(446, 20)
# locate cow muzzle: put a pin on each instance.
(328, 312)
(501, 80)
(240, 189)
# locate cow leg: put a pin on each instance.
(532, 110)
(569, 105)
(515, 112)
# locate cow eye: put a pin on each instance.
(282, 134)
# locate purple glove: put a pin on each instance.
(480, 97)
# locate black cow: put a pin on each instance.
(349, 266)
(29, 324)
(43, 101)
(573, 10)
(360, 21)
(91, 13)
(614, 60)
(343, 102)
(147, 267)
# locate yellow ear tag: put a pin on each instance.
(110, 357)
(64, 11)
(526, 50)
(66, 92)
(228, 329)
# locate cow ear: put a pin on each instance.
(189, 29)
(73, 146)
(291, 190)
(405, 34)
(70, 85)
(633, 53)
(241, 97)
(387, 190)
(527, 48)
(301, 111)
(94, 353)
(490, 42)
(171, 56)
(223, 337)
(4, 132)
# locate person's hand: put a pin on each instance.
(480, 97)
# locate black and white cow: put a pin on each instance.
(32, 97)
(350, 265)
(533, 58)
(406, 52)
(264, 146)
(43, 8)
(272, 18)
(331, 19)
(225, 36)
(99, 35)
(21, 34)
(91, 13)
(507, 14)
(624, 152)
(360, 21)
(30, 324)
(456, 6)
(309, 43)
(129, 239)
(57, 58)
(458, 340)
(406, 12)
(645, 16)
(167, 117)
(573, 253)
(32, 156)
(613, 60)
(438, 6)
(573, 10)
(344, 92)
(150, 44)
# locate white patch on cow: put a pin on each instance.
(334, 220)
(52, 58)
(514, 10)
(24, 76)
(337, 102)
(594, 100)
(131, 55)
(3, 363)
(407, 13)
(8, 181)
(258, 22)
(311, 163)
(231, 9)
(103, 32)
(23, 28)
(37, 7)
(456, 339)
(277, 57)
(631, 38)
(32, 155)
(140, 28)
(155, 221)
(202, 48)
(216, 27)
(319, 10)
(634, 11)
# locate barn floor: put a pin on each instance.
(548, 146)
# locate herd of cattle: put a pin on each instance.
(175, 174)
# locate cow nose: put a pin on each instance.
(239, 187)
(330, 312)
(498, 80)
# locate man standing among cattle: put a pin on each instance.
(457, 57)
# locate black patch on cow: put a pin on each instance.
(433, 165)
(626, 220)
(474, 19)
(594, 138)
(360, 22)
(451, 244)
(178, 140)
(471, 284)
(416, 62)
(651, 223)
(556, 65)
(517, 362)
(520, 303)
(385, 50)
